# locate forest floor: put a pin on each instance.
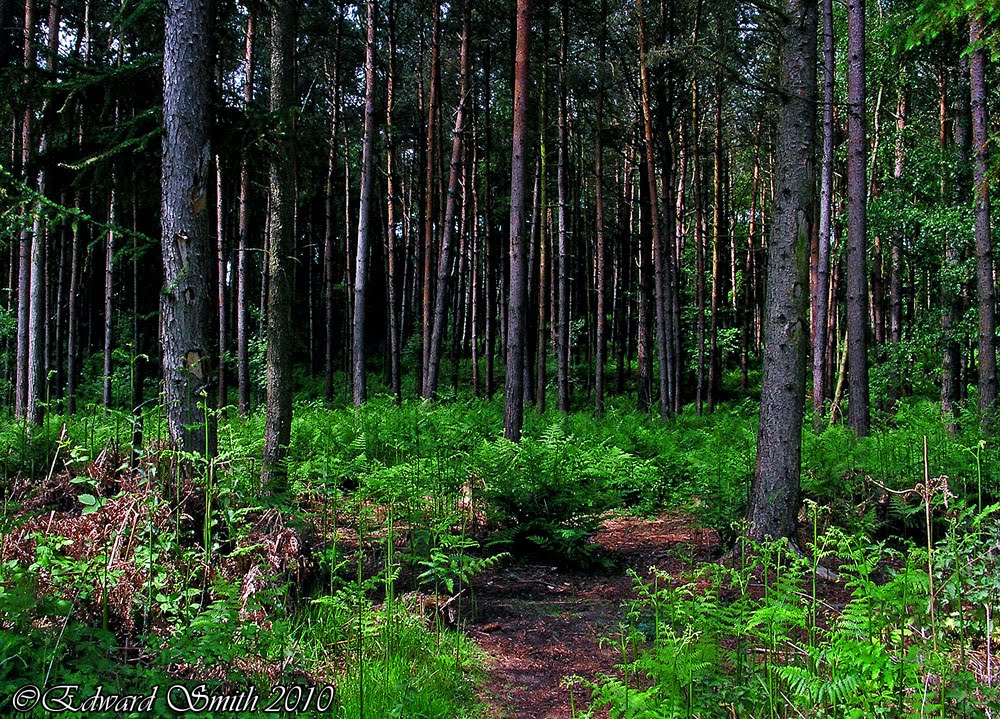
(538, 623)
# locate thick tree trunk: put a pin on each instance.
(516, 318)
(774, 494)
(985, 288)
(858, 410)
(280, 267)
(185, 304)
(364, 217)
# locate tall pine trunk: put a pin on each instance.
(243, 252)
(562, 189)
(600, 341)
(774, 494)
(821, 291)
(516, 317)
(858, 411)
(364, 218)
(448, 231)
(985, 289)
(280, 266)
(186, 300)
(392, 250)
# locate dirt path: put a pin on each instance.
(539, 623)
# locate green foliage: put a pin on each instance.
(755, 642)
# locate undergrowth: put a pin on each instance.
(909, 634)
(118, 568)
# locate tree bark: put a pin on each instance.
(663, 320)
(516, 319)
(985, 289)
(392, 250)
(774, 494)
(22, 372)
(858, 410)
(280, 269)
(600, 341)
(109, 289)
(364, 219)
(448, 231)
(185, 304)
(562, 190)
(428, 207)
(821, 291)
(329, 234)
(243, 253)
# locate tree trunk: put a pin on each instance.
(821, 291)
(516, 319)
(663, 320)
(280, 268)
(72, 329)
(428, 208)
(21, 401)
(243, 254)
(858, 410)
(364, 212)
(395, 368)
(950, 291)
(185, 304)
(109, 289)
(774, 494)
(985, 289)
(222, 264)
(599, 251)
(448, 231)
(562, 331)
(329, 234)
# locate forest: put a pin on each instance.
(507, 359)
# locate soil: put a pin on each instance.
(539, 623)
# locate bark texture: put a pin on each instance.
(858, 411)
(774, 495)
(186, 301)
(985, 290)
(280, 271)
(360, 381)
(516, 312)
